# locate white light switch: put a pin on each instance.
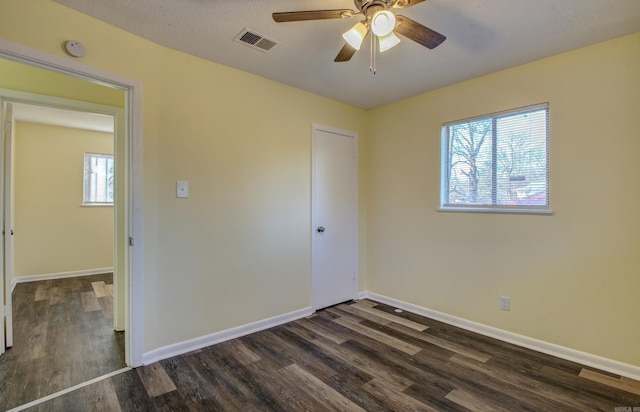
(182, 189)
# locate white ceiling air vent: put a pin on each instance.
(255, 40)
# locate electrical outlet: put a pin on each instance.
(505, 303)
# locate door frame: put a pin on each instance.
(314, 129)
(132, 239)
(13, 96)
(7, 141)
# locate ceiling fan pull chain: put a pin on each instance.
(372, 66)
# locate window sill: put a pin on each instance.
(96, 205)
(498, 210)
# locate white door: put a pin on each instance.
(7, 228)
(334, 204)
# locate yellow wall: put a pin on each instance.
(573, 277)
(54, 233)
(238, 250)
(18, 76)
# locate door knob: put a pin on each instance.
(320, 229)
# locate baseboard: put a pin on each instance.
(222, 336)
(587, 359)
(61, 275)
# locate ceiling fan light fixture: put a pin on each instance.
(383, 22)
(388, 41)
(356, 35)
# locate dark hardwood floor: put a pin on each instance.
(63, 336)
(353, 357)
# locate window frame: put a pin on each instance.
(86, 182)
(491, 208)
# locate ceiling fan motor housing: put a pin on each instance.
(364, 5)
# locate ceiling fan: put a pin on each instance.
(378, 19)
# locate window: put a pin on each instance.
(98, 179)
(497, 162)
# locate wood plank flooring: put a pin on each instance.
(63, 336)
(353, 357)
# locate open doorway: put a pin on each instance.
(127, 153)
(59, 191)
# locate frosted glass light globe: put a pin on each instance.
(383, 23)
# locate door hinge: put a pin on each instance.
(131, 242)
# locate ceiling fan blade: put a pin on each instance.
(419, 33)
(345, 53)
(403, 4)
(287, 16)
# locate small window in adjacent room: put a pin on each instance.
(98, 179)
(497, 162)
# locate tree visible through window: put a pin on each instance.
(98, 179)
(497, 162)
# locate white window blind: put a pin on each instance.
(98, 179)
(497, 162)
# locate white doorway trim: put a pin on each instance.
(133, 204)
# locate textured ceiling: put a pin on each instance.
(483, 36)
